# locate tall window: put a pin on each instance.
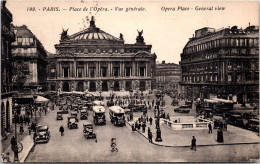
(66, 71)
(92, 71)
(79, 72)
(115, 71)
(229, 78)
(103, 71)
(142, 71)
(128, 71)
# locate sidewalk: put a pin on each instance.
(178, 138)
(28, 144)
(25, 139)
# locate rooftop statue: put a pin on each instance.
(140, 33)
(64, 34)
(121, 36)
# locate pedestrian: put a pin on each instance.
(61, 130)
(143, 127)
(13, 142)
(28, 121)
(147, 119)
(21, 129)
(133, 127)
(150, 137)
(45, 110)
(29, 129)
(193, 143)
(151, 120)
(153, 103)
(210, 128)
(21, 120)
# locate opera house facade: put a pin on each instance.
(94, 60)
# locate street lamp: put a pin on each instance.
(100, 95)
(15, 146)
(35, 107)
(158, 130)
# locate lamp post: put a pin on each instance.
(158, 130)
(100, 95)
(15, 146)
(35, 107)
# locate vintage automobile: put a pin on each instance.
(98, 103)
(235, 119)
(183, 109)
(42, 134)
(175, 102)
(188, 103)
(59, 115)
(110, 103)
(253, 124)
(117, 115)
(64, 110)
(75, 107)
(137, 107)
(88, 131)
(72, 122)
(83, 114)
(74, 114)
(99, 116)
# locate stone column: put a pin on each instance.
(75, 68)
(84, 70)
(97, 70)
(123, 69)
(60, 70)
(137, 69)
(109, 69)
(87, 70)
(133, 68)
(145, 69)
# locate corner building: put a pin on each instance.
(7, 37)
(222, 63)
(94, 60)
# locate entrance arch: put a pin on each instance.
(116, 86)
(104, 86)
(80, 86)
(7, 119)
(66, 87)
(128, 85)
(92, 86)
(142, 85)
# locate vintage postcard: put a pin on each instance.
(129, 81)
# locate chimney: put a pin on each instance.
(163, 62)
(4, 2)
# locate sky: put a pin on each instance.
(167, 31)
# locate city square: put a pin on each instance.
(93, 89)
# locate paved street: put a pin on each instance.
(74, 147)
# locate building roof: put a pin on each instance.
(22, 31)
(93, 34)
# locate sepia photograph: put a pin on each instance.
(89, 81)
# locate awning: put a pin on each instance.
(41, 99)
(210, 101)
(223, 100)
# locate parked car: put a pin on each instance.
(72, 122)
(183, 109)
(59, 115)
(175, 102)
(253, 124)
(42, 134)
